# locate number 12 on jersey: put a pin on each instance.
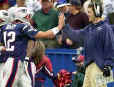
(9, 37)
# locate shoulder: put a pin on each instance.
(28, 27)
(22, 25)
(3, 27)
(106, 25)
(46, 59)
(83, 15)
(88, 27)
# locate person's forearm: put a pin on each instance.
(48, 34)
(74, 35)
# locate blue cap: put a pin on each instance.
(62, 3)
(75, 2)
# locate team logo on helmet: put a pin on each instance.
(22, 14)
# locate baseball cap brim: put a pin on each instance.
(62, 5)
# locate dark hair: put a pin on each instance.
(76, 3)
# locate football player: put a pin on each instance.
(15, 37)
(4, 17)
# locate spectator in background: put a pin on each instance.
(12, 2)
(42, 62)
(80, 69)
(4, 5)
(108, 12)
(77, 19)
(1, 7)
(45, 19)
(33, 5)
(82, 2)
(19, 3)
(62, 7)
(108, 6)
(41, 73)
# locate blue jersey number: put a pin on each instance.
(10, 40)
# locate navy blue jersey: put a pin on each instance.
(98, 42)
(15, 38)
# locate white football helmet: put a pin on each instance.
(22, 14)
(4, 17)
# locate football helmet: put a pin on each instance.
(4, 17)
(22, 14)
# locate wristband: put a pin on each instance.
(1, 47)
(55, 30)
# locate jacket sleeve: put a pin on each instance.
(0, 35)
(109, 46)
(74, 35)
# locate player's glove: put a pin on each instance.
(106, 70)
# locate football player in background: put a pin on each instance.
(4, 17)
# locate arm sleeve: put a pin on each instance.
(0, 35)
(74, 35)
(109, 46)
(29, 31)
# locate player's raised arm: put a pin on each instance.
(52, 32)
(23, 15)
